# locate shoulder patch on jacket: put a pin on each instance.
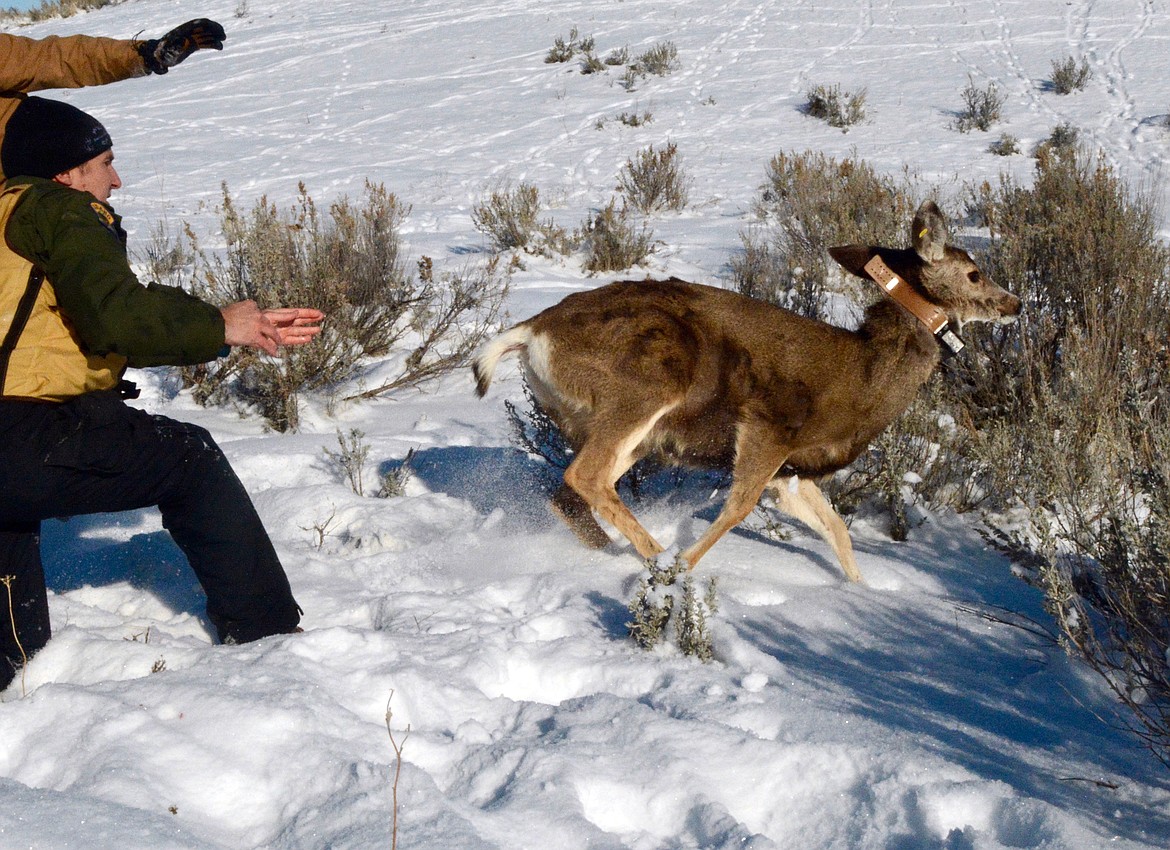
(103, 213)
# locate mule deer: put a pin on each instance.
(707, 377)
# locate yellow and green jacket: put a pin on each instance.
(73, 315)
(61, 62)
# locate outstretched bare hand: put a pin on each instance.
(245, 323)
(295, 325)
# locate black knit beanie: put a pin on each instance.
(45, 137)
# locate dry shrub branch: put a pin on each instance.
(808, 203)
(49, 9)
(349, 263)
(1076, 417)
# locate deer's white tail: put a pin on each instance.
(484, 366)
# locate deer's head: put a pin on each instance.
(942, 273)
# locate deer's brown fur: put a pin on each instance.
(706, 377)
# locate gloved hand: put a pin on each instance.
(161, 54)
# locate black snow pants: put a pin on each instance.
(96, 454)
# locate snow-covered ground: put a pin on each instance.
(881, 715)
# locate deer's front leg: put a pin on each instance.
(758, 456)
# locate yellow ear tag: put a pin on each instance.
(103, 213)
(924, 231)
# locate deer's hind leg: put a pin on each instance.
(575, 511)
(611, 448)
(802, 498)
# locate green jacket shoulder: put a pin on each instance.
(78, 242)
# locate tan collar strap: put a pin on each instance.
(930, 315)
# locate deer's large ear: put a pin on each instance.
(928, 232)
(853, 257)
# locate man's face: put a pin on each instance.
(96, 176)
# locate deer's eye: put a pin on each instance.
(973, 276)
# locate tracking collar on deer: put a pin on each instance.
(900, 291)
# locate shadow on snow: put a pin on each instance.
(970, 690)
(81, 551)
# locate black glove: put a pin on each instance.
(161, 54)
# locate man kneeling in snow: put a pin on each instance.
(72, 317)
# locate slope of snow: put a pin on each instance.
(884, 715)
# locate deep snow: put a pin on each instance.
(885, 715)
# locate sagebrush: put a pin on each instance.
(653, 180)
(982, 107)
(1057, 427)
(611, 238)
(1064, 137)
(662, 600)
(48, 9)
(660, 60)
(614, 240)
(808, 203)
(349, 264)
(636, 119)
(565, 49)
(1005, 145)
(1073, 416)
(509, 217)
(350, 457)
(841, 109)
(1068, 76)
